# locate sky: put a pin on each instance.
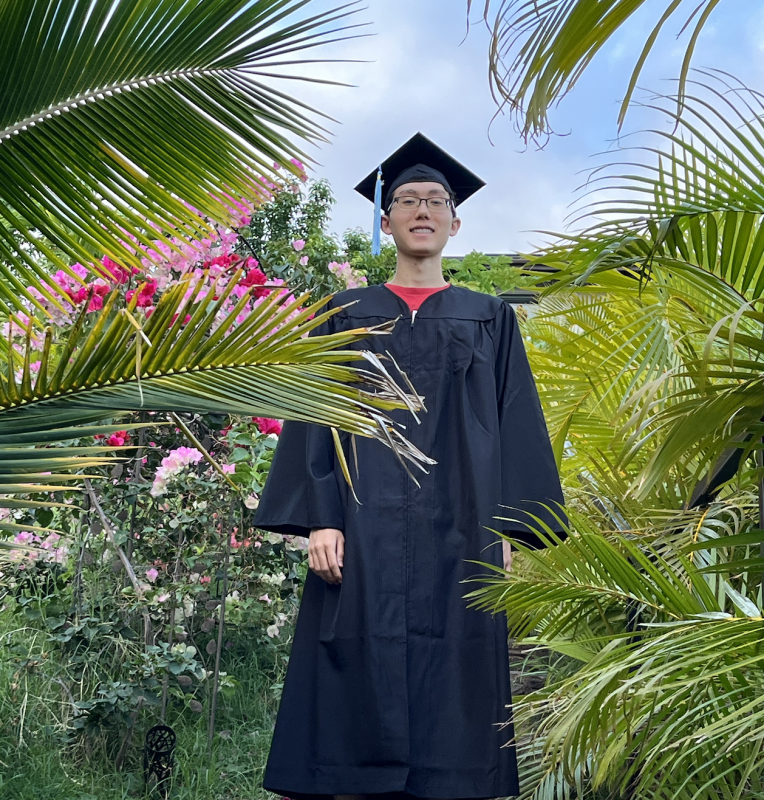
(421, 68)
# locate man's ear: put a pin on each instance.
(456, 223)
(386, 225)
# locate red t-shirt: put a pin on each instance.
(414, 296)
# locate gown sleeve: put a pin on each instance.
(302, 490)
(529, 477)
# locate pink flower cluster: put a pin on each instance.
(207, 263)
(267, 426)
(173, 464)
(53, 548)
(145, 294)
(347, 275)
(116, 439)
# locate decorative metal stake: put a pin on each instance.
(158, 758)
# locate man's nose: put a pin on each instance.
(423, 211)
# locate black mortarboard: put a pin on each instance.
(422, 160)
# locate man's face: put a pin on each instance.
(420, 231)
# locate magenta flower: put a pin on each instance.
(298, 244)
(267, 426)
(152, 574)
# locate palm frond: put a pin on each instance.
(665, 701)
(193, 354)
(539, 50)
(120, 117)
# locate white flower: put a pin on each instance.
(272, 631)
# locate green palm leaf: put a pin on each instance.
(691, 229)
(540, 48)
(190, 355)
(667, 707)
(117, 116)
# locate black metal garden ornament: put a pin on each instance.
(158, 759)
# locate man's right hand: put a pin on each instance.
(326, 550)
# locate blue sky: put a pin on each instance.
(424, 71)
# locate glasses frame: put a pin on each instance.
(425, 200)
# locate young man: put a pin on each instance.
(394, 686)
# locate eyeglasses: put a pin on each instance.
(409, 203)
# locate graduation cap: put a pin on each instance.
(418, 160)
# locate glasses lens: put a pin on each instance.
(433, 203)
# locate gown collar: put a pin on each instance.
(456, 302)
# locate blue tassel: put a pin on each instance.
(376, 246)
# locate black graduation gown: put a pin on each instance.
(393, 684)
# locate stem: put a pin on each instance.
(83, 537)
(110, 536)
(176, 572)
(221, 624)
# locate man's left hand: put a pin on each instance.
(506, 548)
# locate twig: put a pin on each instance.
(176, 572)
(221, 624)
(120, 759)
(83, 537)
(112, 540)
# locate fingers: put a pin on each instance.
(324, 566)
(334, 567)
(507, 555)
(326, 549)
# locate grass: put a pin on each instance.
(38, 762)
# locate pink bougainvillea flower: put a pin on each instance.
(118, 273)
(205, 579)
(186, 320)
(255, 277)
(265, 598)
(298, 244)
(117, 439)
(345, 273)
(152, 574)
(171, 465)
(267, 426)
(304, 261)
(145, 294)
(229, 469)
(79, 296)
(301, 167)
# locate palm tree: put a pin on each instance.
(540, 48)
(648, 354)
(125, 121)
(661, 695)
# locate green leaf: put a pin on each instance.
(117, 116)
